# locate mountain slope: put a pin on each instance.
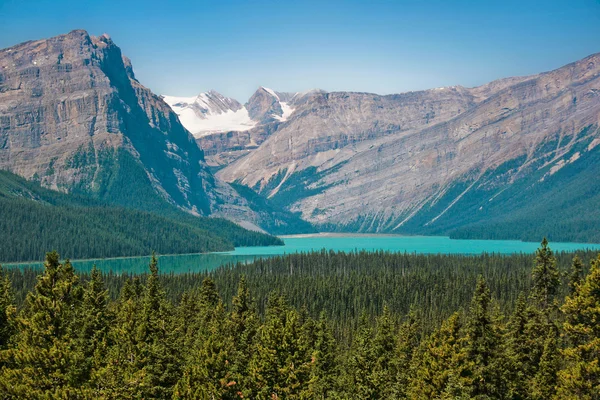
(363, 162)
(74, 118)
(34, 220)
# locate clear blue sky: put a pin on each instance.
(185, 47)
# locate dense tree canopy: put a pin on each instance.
(182, 337)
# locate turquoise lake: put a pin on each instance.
(305, 243)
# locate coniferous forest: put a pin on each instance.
(438, 327)
(93, 229)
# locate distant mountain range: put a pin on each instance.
(514, 158)
(459, 161)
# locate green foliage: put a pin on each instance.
(575, 274)
(7, 310)
(580, 379)
(31, 216)
(545, 276)
(176, 337)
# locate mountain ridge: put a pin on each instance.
(74, 117)
(381, 159)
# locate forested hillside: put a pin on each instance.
(538, 339)
(34, 219)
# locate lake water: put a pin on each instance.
(305, 243)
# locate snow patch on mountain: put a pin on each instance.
(225, 122)
(287, 111)
(210, 112)
(286, 107)
(271, 92)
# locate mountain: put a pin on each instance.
(210, 112)
(267, 110)
(34, 220)
(74, 118)
(444, 161)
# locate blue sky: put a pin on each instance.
(185, 47)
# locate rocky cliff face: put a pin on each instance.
(269, 110)
(73, 116)
(381, 163)
(72, 112)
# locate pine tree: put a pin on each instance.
(41, 362)
(121, 374)
(144, 361)
(543, 384)
(208, 374)
(580, 378)
(243, 327)
(523, 348)
(436, 359)
(324, 370)
(384, 348)
(7, 310)
(186, 317)
(361, 363)
(280, 366)
(482, 346)
(160, 362)
(545, 276)
(406, 344)
(92, 325)
(575, 274)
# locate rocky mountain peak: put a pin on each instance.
(267, 105)
(73, 117)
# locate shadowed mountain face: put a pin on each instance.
(74, 118)
(408, 162)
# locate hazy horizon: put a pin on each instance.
(380, 47)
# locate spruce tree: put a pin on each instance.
(208, 374)
(482, 346)
(523, 348)
(575, 274)
(436, 360)
(243, 327)
(7, 310)
(545, 276)
(121, 374)
(41, 361)
(580, 378)
(406, 343)
(92, 325)
(324, 370)
(281, 363)
(159, 359)
(543, 383)
(384, 348)
(362, 361)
